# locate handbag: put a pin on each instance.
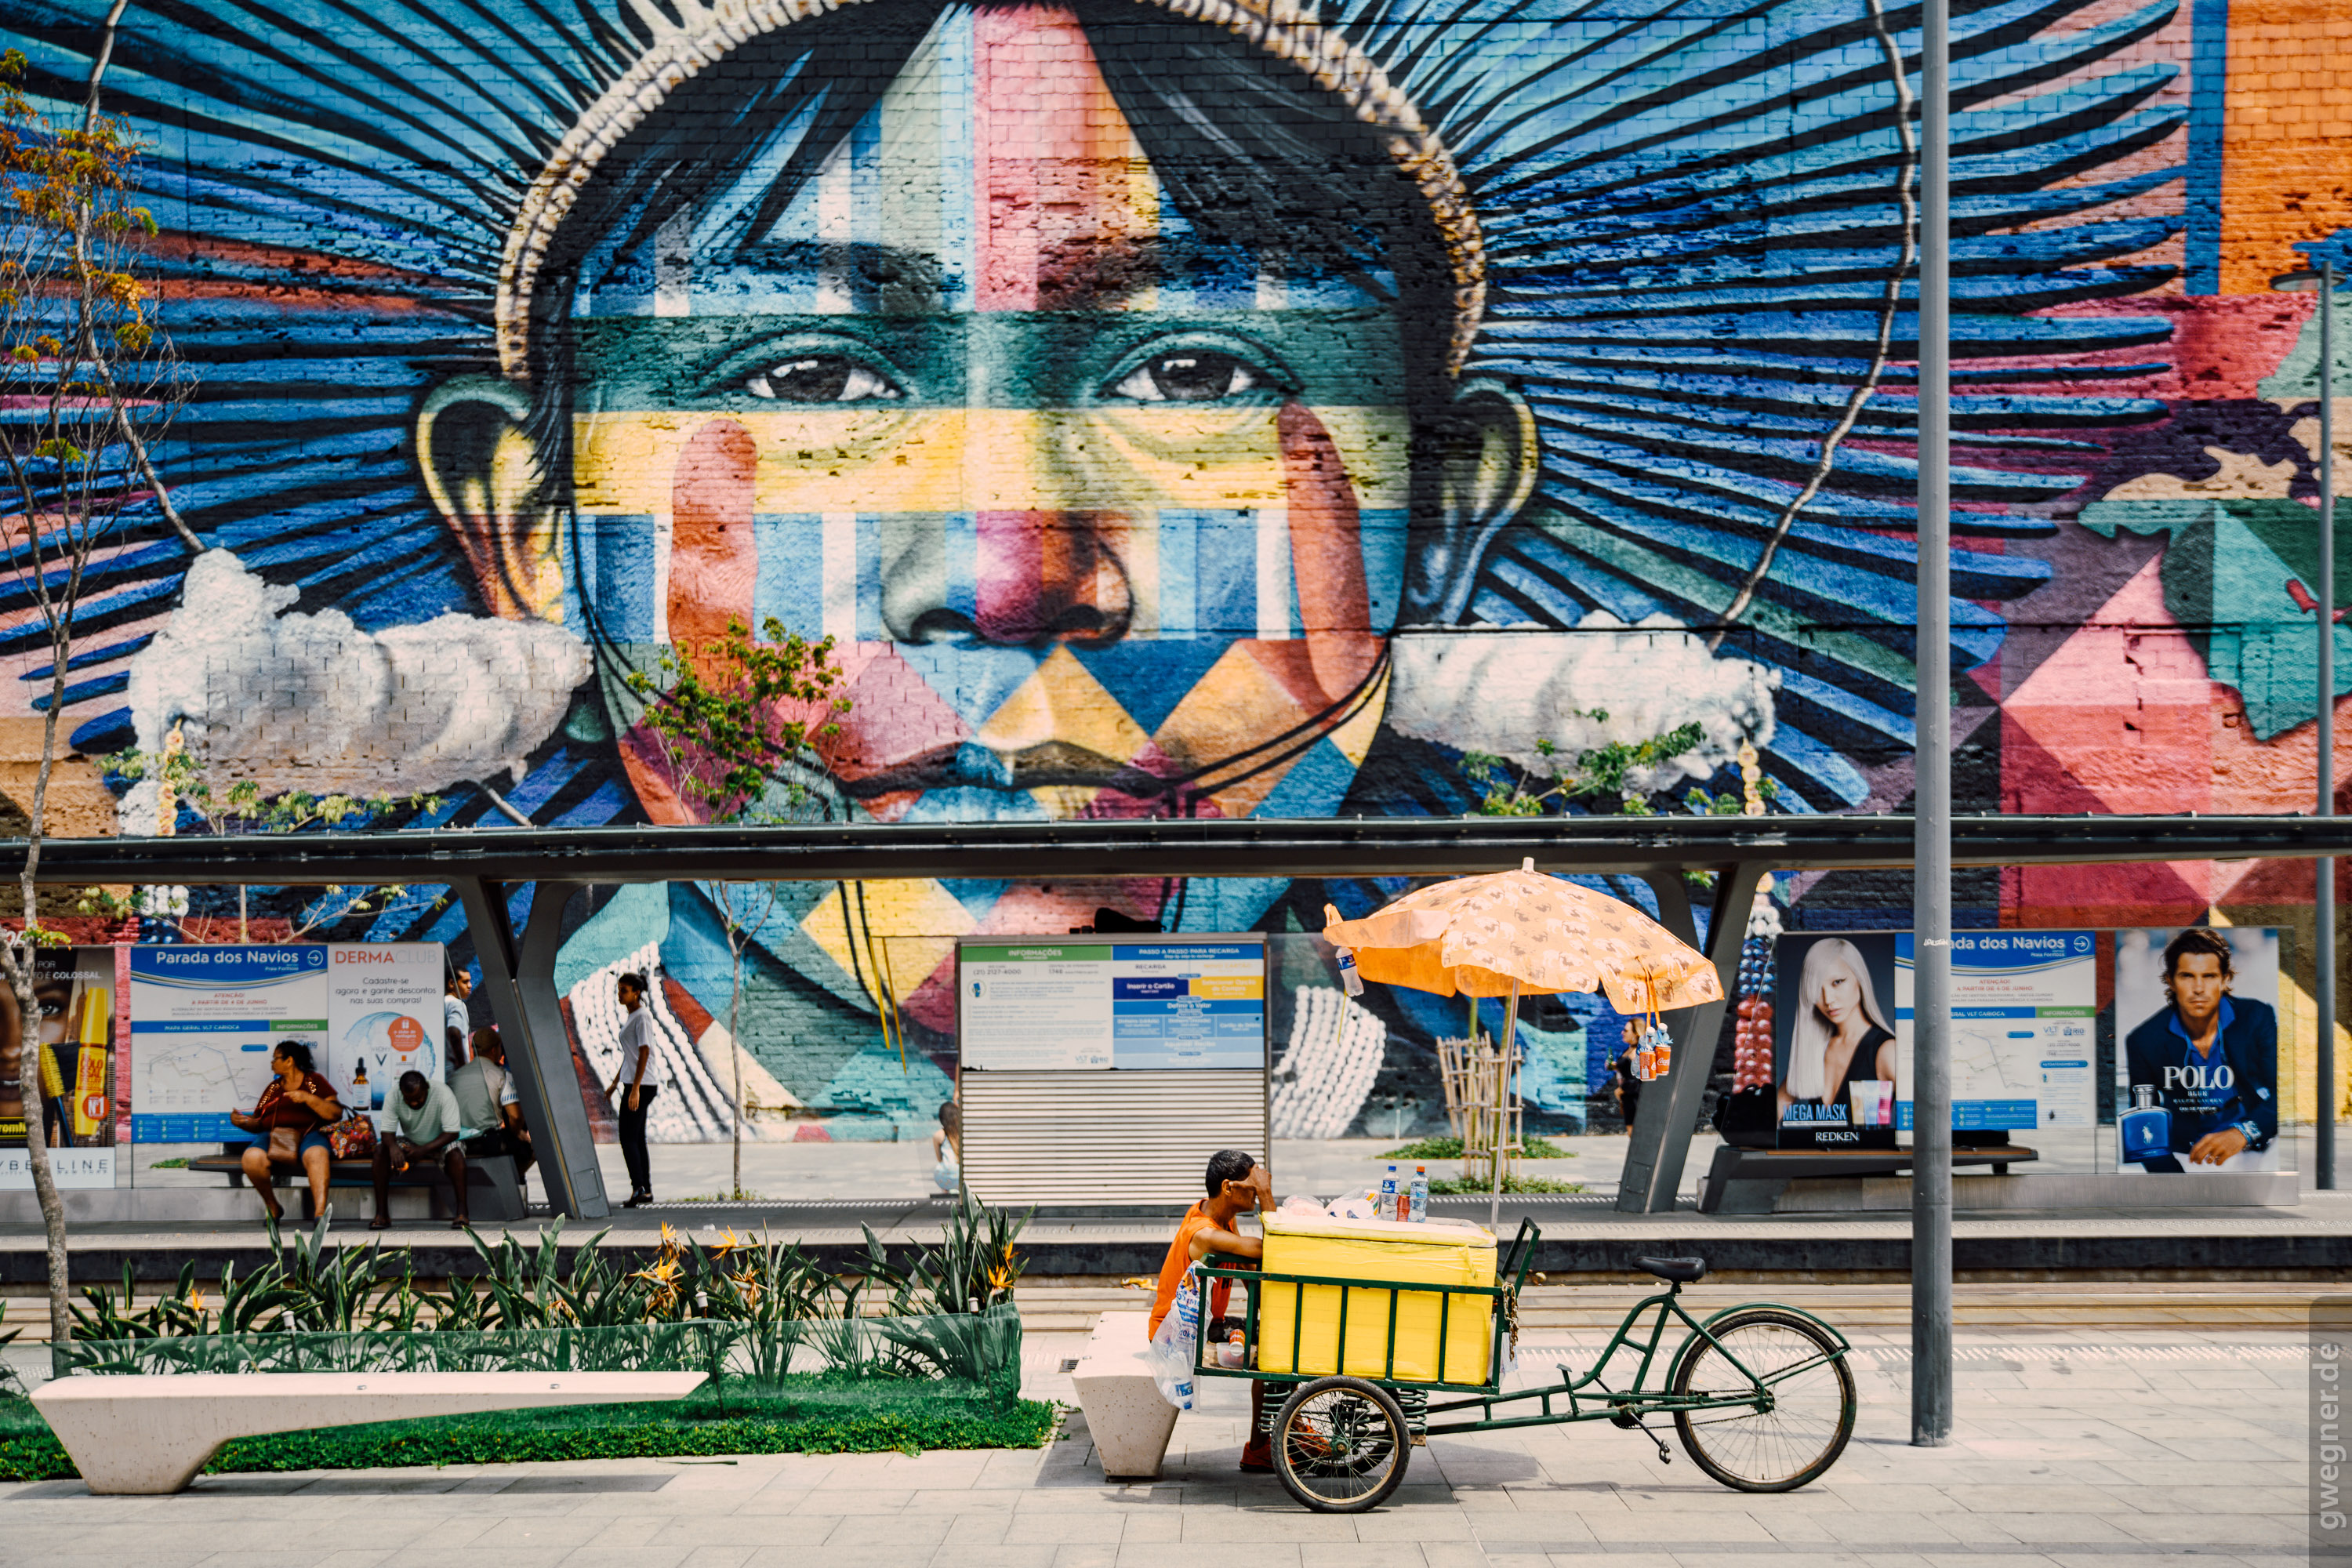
(352, 1138)
(285, 1145)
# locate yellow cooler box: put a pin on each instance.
(1379, 1251)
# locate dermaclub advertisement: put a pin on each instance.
(204, 1020)
(75, 988)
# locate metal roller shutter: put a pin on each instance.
(1065, 1137)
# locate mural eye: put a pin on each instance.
(1200, 375)
(821, 378)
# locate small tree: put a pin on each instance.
(91, 383)
(1601, 779)
(237, 806)
(741, 726)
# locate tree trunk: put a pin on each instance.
(735, 1049)
(241, 935)
(19, 965)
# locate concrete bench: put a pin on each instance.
(1129, 1423)
(153, 1434)
(493, 1186)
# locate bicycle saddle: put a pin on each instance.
(1681, 1270)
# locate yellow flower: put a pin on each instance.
(196, 1300)
(724, 1244)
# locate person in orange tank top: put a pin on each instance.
(1238, 1184)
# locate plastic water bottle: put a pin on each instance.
(1387, 1207)
(1420, 1194)
(1351, 982)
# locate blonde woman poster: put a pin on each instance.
(1834, 1060)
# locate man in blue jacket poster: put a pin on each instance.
(2211, 1059)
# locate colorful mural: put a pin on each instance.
(1215, 408)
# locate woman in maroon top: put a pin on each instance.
(302, 1100)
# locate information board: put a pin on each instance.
(2025, 1007)
(204, 1020)
(1109, 1004)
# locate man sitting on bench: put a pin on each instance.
(425, 1115)
(488, 1105)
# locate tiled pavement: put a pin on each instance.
(2072, 1449)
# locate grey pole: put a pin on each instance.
(2324, 909)
(1931, 908)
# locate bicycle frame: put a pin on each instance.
(1629, 1407)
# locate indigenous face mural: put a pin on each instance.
(1213, 408)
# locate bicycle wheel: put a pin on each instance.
(1796, 1431)
(1340, 1445)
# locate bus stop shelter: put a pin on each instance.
(491, 869)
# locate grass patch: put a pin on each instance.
(176, 1162)
(1511, 1183)
(829, 1416)
(1451, 1148)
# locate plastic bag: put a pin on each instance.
(1173, 1347)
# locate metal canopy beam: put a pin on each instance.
(1406, 846)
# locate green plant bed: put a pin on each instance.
(1451, 1148)
(1465, 1187)
(819, 1415)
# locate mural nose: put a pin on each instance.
(1049, 576)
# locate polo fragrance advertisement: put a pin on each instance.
(74, 1036)
(2197, 1023)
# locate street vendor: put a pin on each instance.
(1238, 1184)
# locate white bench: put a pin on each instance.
(153, 1434)
(1127, 1420)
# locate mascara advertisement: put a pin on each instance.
(75, 1037)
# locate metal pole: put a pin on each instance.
(1502, 1101)
(1931, 910)
(2324, 908)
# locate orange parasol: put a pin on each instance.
(1522, 933)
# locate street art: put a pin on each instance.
(1208, 407)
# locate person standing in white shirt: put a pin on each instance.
(458, 986)
(641, 1070)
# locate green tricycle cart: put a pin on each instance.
(1761, 1393)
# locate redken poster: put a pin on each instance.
(75, 1035)
(2197, 1050)
(205, 1020)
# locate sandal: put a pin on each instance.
(380, 1222)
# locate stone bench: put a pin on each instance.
(1129, 1423)
(153, 1434)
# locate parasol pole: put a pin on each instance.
(1502, 1110)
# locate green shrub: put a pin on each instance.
(1449, 1148)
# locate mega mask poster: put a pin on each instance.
(75, 1038)
(2197, 1054)
(1836, 1059)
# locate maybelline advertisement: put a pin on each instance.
(75, 1038)
(2197, 1073)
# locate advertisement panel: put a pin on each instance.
(1834, 1060)
(2025, 1008)
(75, 1035)
(384, 1019)
(1031, 1006)
(2197, 1078)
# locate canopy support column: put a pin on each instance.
(520, 979)
(1668, 1116)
